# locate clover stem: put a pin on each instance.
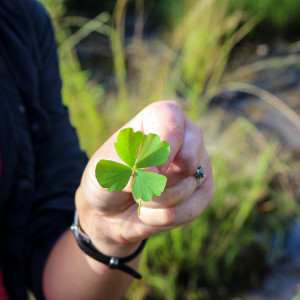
(140, 203)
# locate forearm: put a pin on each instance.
(70, 274)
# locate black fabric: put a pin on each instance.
(41, 159)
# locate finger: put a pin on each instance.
(188, 158)
(173, 195)
(181, 191)
(166, 119)
(185, 211)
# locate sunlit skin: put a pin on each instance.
(111, 219)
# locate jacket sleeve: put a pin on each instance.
(59, 162)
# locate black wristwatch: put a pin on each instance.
(112, 262)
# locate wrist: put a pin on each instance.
(112, 262)
(101, 230)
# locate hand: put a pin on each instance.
(111, 220)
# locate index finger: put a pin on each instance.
(188, 158)
(167, 119)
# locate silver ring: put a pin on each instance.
(199, 174)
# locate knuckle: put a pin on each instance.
(197, 130)
(174, 195)
(176, 130)
(174, 106)
(170, 105)
(189, 162)
(168, 216)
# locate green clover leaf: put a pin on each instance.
(153, 152)
(146, 184)
(128, 144)
(138, 151)
(112, 175)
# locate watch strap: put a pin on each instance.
(112, 262)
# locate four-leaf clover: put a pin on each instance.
(138, 151)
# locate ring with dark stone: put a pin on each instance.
(199, 174)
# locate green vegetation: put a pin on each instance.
(283, 13)
(224, 250)
(296, 297)
(283, 16)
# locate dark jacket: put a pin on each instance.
(41, 160)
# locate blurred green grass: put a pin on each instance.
(165, 13)
(225, 248)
